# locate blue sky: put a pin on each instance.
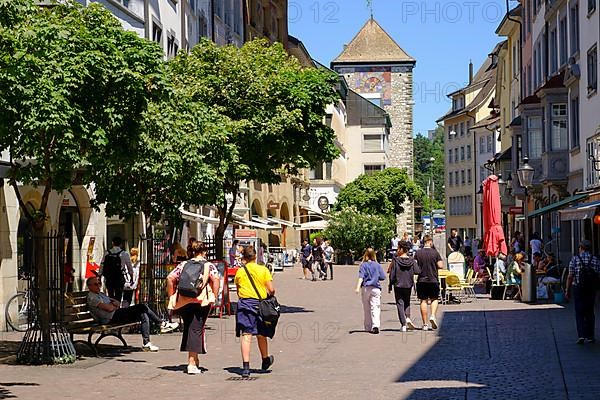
(442, 35)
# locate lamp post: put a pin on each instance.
(525, 173)
(431, 188)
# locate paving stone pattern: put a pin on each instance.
(483, 350)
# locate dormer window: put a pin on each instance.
(458, 103)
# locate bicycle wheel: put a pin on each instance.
(17, 312)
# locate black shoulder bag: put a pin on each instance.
(268, 309)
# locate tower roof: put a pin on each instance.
(373, 44)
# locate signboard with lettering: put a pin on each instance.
(245, 233)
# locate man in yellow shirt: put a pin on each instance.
(248, 320)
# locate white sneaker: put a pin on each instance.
(167, 326)
(150, 347)
(193, 370)
(409, 324)
(433, 323)
(403, 329)
(425, 327)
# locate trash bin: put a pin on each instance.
(528, 284)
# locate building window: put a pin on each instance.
(489, 143)
(592, 70)
(456, 155)
(481, 144)
(450, 176)
(469, 178)
(456, 178)
(591, 6)
(574, 22)
(591, 173)
(317, 173)
(172, 46)
(462, 177)
(468, 152)
(373, 168)
(574, 122)
(462, 129)
(450, 132)
(553, 50)
(534, 131)
(450, 156)
(462, 153)
(156, 33)
(563, 41)
(558, 130)
(373, 143)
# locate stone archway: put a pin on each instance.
(256, 209)
(284, 214)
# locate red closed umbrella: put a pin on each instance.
(494, 241)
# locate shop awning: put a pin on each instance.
(580, 211)
(558, 205)
(314, 212)
(313, 226)
(194, 217)
(283, 222)
(253, 224)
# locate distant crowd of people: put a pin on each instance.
(317, 259)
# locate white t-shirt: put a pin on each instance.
(395, 243)
(536, 246)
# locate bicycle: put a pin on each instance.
(24, 303)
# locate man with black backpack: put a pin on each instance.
(116, 267)
(584, 278)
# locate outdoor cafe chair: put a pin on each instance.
(467, 285)
(453, 285)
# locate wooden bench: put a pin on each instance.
(79, 320)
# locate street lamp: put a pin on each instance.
(525, 174)
(431, 161)
(502, 185)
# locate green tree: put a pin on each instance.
(273, 109)
(382, 193)
(351, 231)
(73, 89)
(424, 169)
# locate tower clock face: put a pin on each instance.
(371, 84)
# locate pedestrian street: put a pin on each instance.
(482, 350)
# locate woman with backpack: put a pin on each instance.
(192, 286)
(402, 273)
(254, 282)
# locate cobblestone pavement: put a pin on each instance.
(483, 350)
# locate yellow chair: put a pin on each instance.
(467, 285)
(453, 285)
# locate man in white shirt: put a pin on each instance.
(535, 244)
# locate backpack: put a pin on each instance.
(112, 269)
(588, 277)
(190, 280)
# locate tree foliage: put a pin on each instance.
(269, 106)
(382, 193)
(352, 231)
(424, 150)
(73, 89)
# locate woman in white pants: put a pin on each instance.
(370, 274)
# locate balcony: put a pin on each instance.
(555, 166)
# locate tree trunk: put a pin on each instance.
(219, 236)
(43, 298)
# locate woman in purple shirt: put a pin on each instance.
(370, 274)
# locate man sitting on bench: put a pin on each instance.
(107, 311)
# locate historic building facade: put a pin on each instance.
(378, 69)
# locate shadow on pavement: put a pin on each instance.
(180, 368)
(294, 310)
(500, 354)
(238, 371)
(7, 394)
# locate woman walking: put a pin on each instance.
(194, 310)
(254, 282)
(370, 274)
(131, 283)
(403, 270)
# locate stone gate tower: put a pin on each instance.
(375, 66)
